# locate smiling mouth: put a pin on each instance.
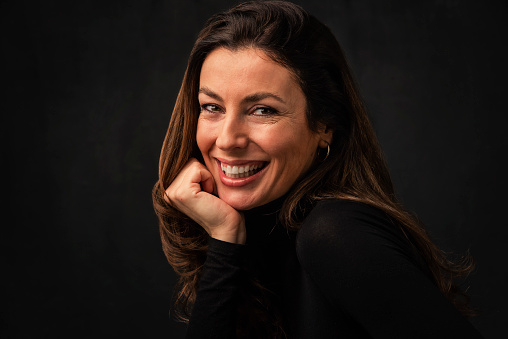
(242, 171)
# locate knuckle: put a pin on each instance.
(178, 195)
(172, 191)
(196, 165)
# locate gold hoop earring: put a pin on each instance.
(327, 152)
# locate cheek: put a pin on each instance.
(205, 142)
(203, 139)
(296, 149)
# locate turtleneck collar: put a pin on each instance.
(263, 222)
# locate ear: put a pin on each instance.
(325, 136)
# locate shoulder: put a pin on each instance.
(342, 219)
(360, 260)
(348, 231)
(334, 210)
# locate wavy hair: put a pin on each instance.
(354, 170)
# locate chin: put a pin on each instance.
(240, 202)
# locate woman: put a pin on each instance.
(276, 207)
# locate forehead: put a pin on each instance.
(246, 70)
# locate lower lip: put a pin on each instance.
(238, 182)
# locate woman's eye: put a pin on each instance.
(264, 111)
(211, 108)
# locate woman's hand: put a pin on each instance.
(191, 193)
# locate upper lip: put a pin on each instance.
(238, 162)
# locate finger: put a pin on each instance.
(207, 182)
(166, 195)
(176, 183)
(199, 178)
(193, 179)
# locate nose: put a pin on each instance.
(233, 133)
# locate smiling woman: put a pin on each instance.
(275, 205)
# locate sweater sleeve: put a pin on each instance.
(364, 266)
(214, 311)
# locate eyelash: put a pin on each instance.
(204, 108)
(269, 111)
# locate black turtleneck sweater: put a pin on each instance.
(349, 272)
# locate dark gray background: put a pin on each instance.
(91, 85)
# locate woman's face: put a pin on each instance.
(252, 130)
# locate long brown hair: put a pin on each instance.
(355, 168)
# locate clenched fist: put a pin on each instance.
(192, 194)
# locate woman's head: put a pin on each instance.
(287, 38)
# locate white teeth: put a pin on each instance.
(239, 171)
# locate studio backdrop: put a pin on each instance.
(90, 89)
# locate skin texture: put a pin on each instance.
(252, 112)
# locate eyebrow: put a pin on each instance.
(248, 99)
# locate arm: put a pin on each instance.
(214, 312)
(363, 264)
